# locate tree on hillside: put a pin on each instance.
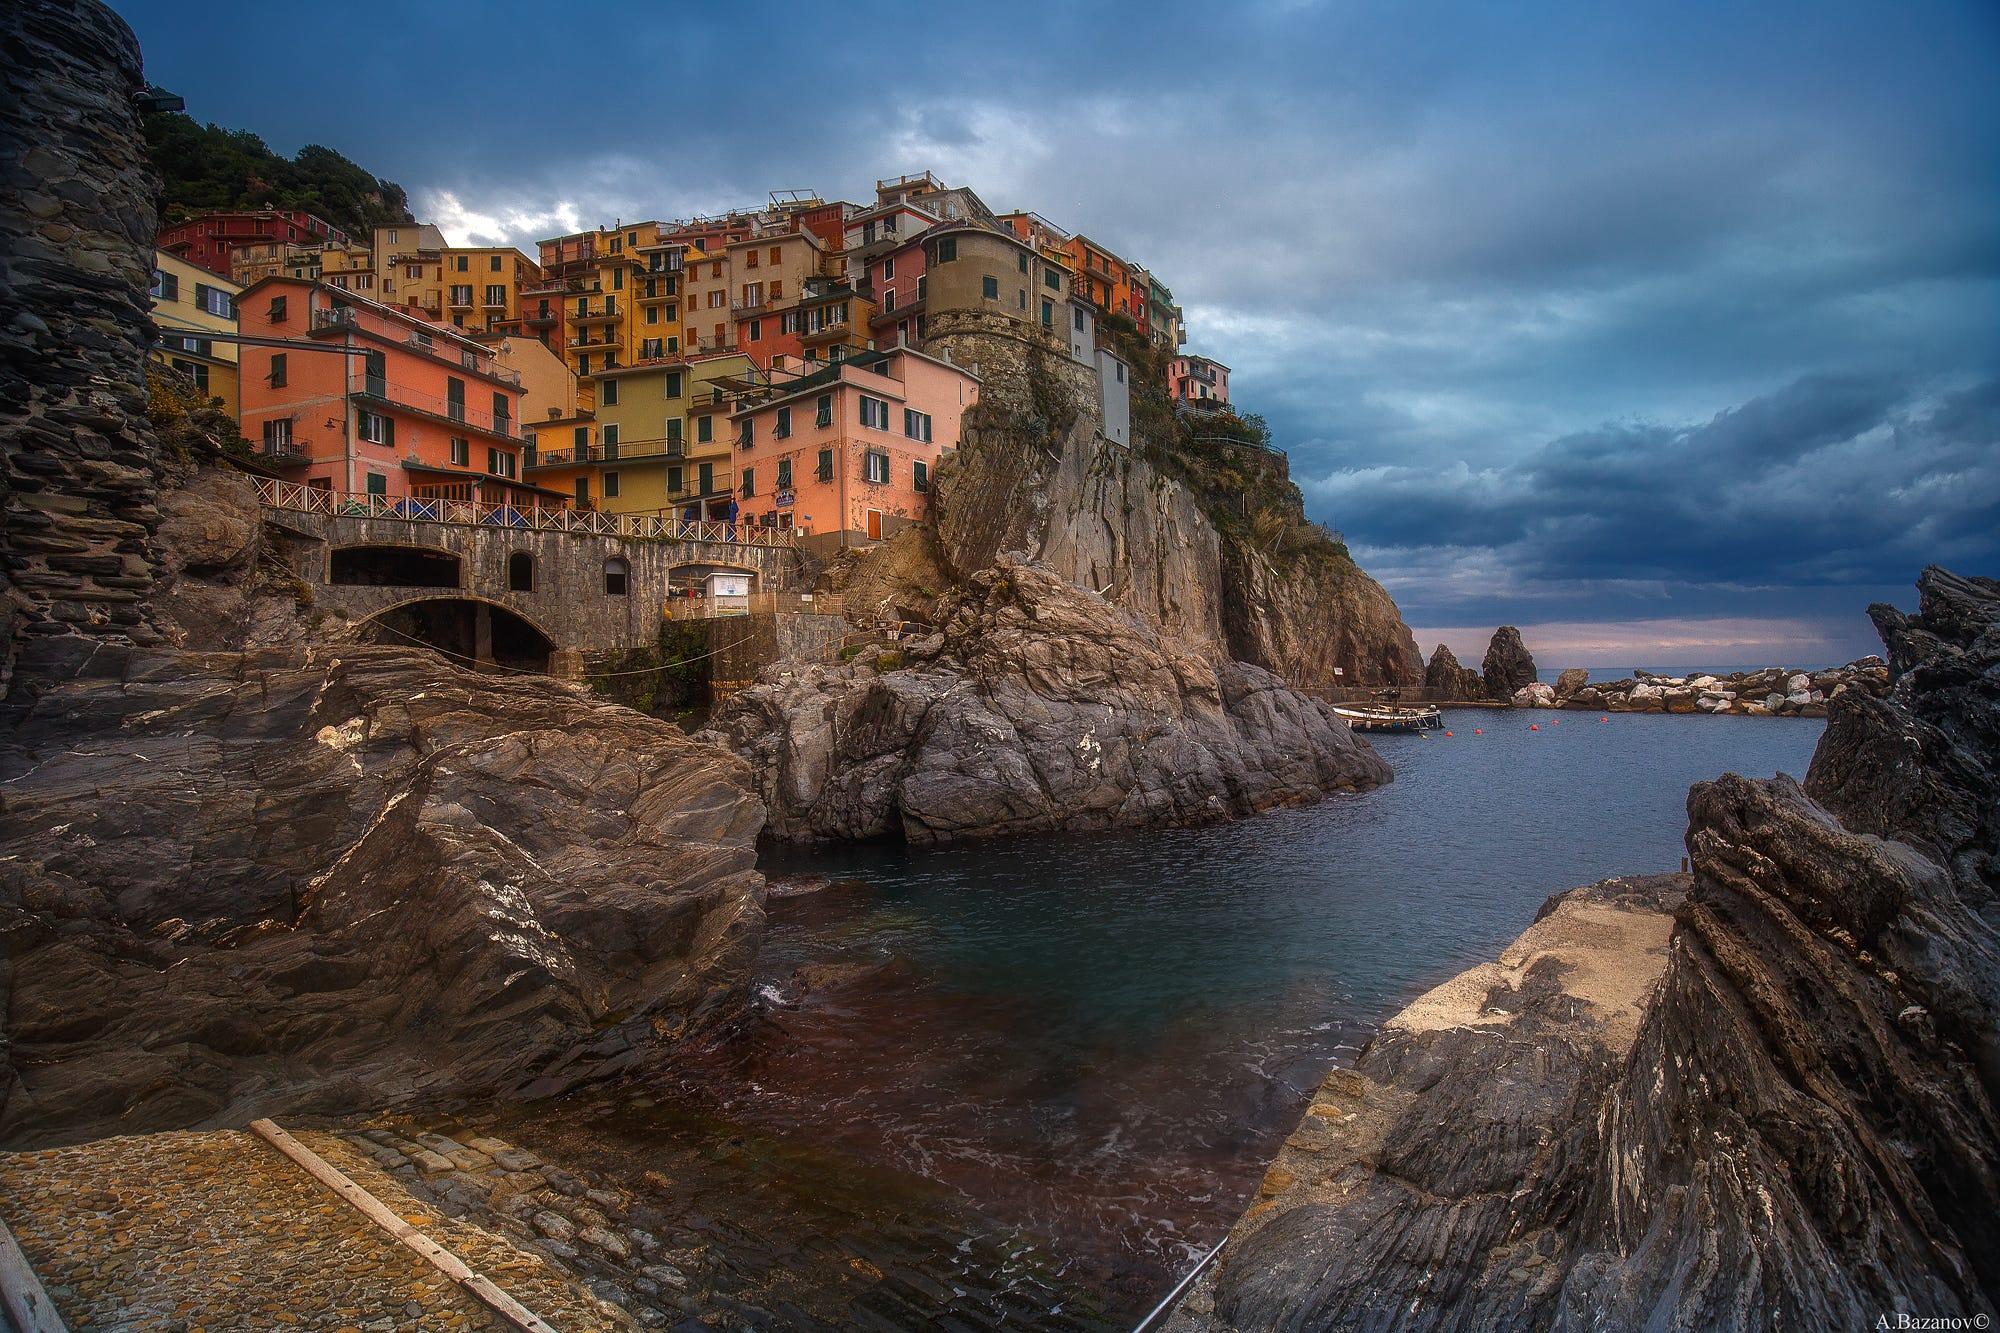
(206, 167)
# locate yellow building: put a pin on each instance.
(482, 286)
(593, 279)
(192, 305)
(350, 268)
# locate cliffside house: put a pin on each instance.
(355, 396)
(191, 306)
(1198, 380)
(844, 455)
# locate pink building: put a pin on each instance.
(1198, 379)
(896, 276)
(846, 454)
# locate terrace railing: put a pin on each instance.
(297, 498)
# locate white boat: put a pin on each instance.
(1390, 717)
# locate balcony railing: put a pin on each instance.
(625, 451)
(296, 498)
(450, 411)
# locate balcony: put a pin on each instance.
(500, 304)
(376, 391)
(609, 310)
(538, 318)
(605, 337)
(835, 332)
(748, 303)
(461, 303)
(628, 451)
(290, 453)
(340, 319)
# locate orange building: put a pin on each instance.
(845, 454)
(1105, 280)
(350, 395)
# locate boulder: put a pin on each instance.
(1508, 665)
(1047, 708)
(1537, 695)
(1570, 681)
(1445, 679)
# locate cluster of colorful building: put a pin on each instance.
(765, 366)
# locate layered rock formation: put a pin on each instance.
(1784, 1119)
(1508, 665)
(233, 882)
(1037, 707)
(1446, 679)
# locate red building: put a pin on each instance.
(210, 240)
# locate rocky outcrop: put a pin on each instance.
(1039, 706)
(1771, 692)
(1303, 617)
(1444, 678)
(1784, 1120)
(1508, 664)
(1570, 681)
(233, 885)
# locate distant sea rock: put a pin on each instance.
(1508, 665)
(1445, 679)
(1770, 692)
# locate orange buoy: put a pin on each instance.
(1479, 731)
(1447, 733)
(1534, 726)
(1603, 719)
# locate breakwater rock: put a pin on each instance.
(1508, 665)
(1038, 706)
(1770, 692)
(1779, 1114)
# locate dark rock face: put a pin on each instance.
(1038, 707)
(77, 459)
(1798, 1127)
(234, 885)
(1446, 679)
(1508, 665)
(1570, 681)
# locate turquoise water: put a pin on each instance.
(1104, 1037)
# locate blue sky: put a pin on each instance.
(1670, 333)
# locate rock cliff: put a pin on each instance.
(1778, 1113)
(1038, 706)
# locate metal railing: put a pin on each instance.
(301, 499)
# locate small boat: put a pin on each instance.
(1390, 717)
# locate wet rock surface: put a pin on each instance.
(1784, 1119)
(234, 884)
(1038, 706)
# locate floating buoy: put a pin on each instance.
(1447, 733)
(1534, 726)
(1479, 731)
(1603, 719)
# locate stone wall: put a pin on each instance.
(76, 226)
(568, 602)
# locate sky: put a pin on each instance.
(1669, 333)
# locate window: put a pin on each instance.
(750, 259)
(877, 467)
(825, 470)
(917, 425)
(945, 250)
(278, 436)
(583, 364)
(888, 268)
(615, 571)
(704, 429)
(920, 480)
(609, 393)
(673, 384)
(1076, 314)
(756, 329)
(1121, 371)
(777, 289)
(774, 259)
(278, 313)
(783, 428)
(673, 430)
(581, 489)
(377, 429)
(1052, 278)
(582, 439)
(496, 294)
(460, 262)
(609, 434)
(675, 477)
(166, 286)
(874, 412)
(745, 434)
(377, 484)
(749, 481)
(617, 279)
(888, 302)
(499, 462)
(214, 300)
(461, 452)
(824, 416)
(1048, 314)
(610, 484)
(493, 263)
(784, 474)
(520, 572)
(461, 295)
(276, 378)
(705, 474)
(989, 287)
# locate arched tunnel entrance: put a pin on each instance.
(472, 634)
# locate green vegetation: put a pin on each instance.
(205, 167)
(891, 660)
(183, 419)
(666, 678)
(1243, 483)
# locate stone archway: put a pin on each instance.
(470, 631)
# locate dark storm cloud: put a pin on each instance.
(1600, 310)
